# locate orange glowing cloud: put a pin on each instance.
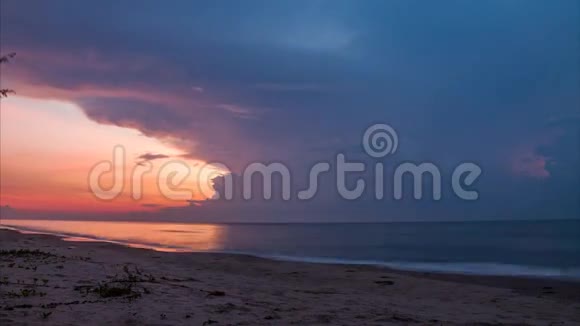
(49, 147)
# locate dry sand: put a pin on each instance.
(89, 283)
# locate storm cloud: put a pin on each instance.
(299, 81)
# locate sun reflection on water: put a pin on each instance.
(158, 236)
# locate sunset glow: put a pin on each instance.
(51, 146)
(212, 89)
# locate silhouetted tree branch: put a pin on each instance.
(3, 59)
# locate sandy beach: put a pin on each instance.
(45, 280)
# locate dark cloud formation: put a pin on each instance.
(150, 157)
(298, 81)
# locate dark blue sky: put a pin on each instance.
(491, 82)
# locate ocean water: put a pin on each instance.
(523, 248)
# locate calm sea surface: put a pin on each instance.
(534, 248)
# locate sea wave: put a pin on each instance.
(473, 268)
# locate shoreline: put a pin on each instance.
(241, 289)
(548, 273)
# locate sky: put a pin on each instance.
(496, 83)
